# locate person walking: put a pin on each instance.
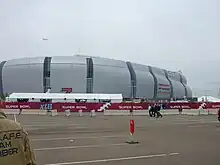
(219, 114)
(157, 110)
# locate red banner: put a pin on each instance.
(75, 107)
(182, 105)
(212, 105)
(86, 107)
(16, 105)
(129, 106)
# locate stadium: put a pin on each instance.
(87, 74)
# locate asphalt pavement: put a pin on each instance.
(101, 140)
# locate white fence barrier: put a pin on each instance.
(80, 112)
(170, 112)
(92, 113)
(114, 112)
(33, 112)
(140, 112)
(52, 112)
(163, 112)
(11, 111)
(24, 112)
(117, 112)
(125, 112)
(212, 111)
(190, 112)
(67, 113)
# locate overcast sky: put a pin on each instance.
(171, 34)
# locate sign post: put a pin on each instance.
(131, 130)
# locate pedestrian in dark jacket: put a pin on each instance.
(152, 111)
(157, 110)
(219, 114)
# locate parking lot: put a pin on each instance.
(172, 140)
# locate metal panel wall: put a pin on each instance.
(107, 76)
(189, 91)
(184, 80)
(145, 81)
(111, 76)
(133, 80)
(178, 88)
(23, 75)
(68, 72)
(46, 73)
(163, 85)
(171, 84)
(1, 81)
(89, 77)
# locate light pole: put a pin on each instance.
(206, 94)
(44, 46)
(46, 73)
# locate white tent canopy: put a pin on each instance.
(208, 99)
(66, 96)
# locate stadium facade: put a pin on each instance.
(86, 74)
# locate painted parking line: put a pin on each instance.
(197, 126)
(115, 159)
(52, 125)
(82, 137)
(86, 146)
(187, 123)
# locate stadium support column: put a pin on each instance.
(46, 73)
(1, 77)
(155, 82)
(171, 85)
(133, 80)
(89, 77)
(181, 80)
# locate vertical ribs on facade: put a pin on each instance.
(46, 74)
(89, 77)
